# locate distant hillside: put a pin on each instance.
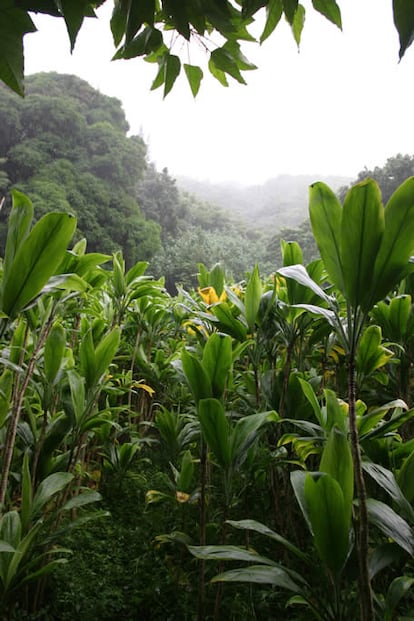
(279, 202)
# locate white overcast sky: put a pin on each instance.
(343, 102)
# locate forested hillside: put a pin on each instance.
(66, 145)
(279, 202)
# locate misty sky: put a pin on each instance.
(342, 103)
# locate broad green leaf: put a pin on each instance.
(118, 21)
(49, 487)
(245, 433)
(399, 314)
(322, 312)
(106, 351)
(404, 22)
(300, 275)
(138, 13)
(383, 556)
(397, 244)
(216, 429)
(87, 356)
(74, 12)
(325, 212)
(194, 76)
(14, 24)
(252, 297)
(405, 477)
(330, 10)
(368, 421)
(217, 361)
(6, 385)
(228, 553)
(36, 260)
(298, 23)
(18, 228)
(228, 323)
(172, 69)
(391, 524)
(223, 60)
(54, 349)
(185, 478)
(336, 414)
(329, 518)
(86, 497)
(196, 376)
(362, 228)
(371, 354)
(311, 397)
(27, 494)
(77, 393)
(337, 461)
(217, 73)
(274, 11)
(297, 479)
(386, 481)
(260, 528)
(396, 591)
(277, 576)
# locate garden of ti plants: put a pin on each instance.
(199, 420)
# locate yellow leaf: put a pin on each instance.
(182, 497)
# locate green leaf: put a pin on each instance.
(172, 71)
(27, 494)
(300, 275)
(186, 472)
(325, 214)
(311, 397)
(277, 576)
(329, 519)
(391, 524)
(396, 591)
(223, 60)
(74, 12)
(274, 11)
(138, 13)
(371, 354)
(106, 351)
(228, 553)
(19, 223)
(196, 376)
(397, 243)
(36, 260)
(50, 486)
(405, 478)
(361, 233)
(194, 76)
(217, 73)
(252, 297)
(228, 323)
(86, 497)
(386, 481)
(290, 7)
(260, 528)
(216, 429)
(118, 21)
(298, 23)
(245, 433)
(337, 461)
(14, 24)
(77, 393)
(54, 349)
(217, 361)
(330, 10)
(404, 22)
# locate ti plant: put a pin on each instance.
(366, 250)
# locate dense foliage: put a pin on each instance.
(160, 438)
(156, 30)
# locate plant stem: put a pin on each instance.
(17, 407)
(201, 565)
(365, 589)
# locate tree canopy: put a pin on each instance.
(65, 144)
(153, 28)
